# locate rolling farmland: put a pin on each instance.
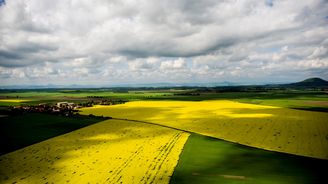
(163, 92)
(209, 160)
(271, 128)
(111, 151)
(143, 141)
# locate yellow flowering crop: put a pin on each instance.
(272, 128)
(108, 152)
(13, 100)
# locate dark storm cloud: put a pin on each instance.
(25, 55)
(33, 48)
(9, 55)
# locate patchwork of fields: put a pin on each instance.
(272, 128)
(112, 151)
(144, 140)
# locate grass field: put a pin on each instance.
(208, 160)
(268, 127)
(56, 94)
(143, 143)
(306, 100)
(127, 151)
(23, 130)
(108, 152)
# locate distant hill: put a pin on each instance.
(311, 82)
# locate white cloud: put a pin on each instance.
(179, 63)
(319, 52)
(138, 41)
(143, 64)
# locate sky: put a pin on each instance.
(110, 42)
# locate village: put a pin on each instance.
(61, 108)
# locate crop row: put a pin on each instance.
(108, 152)
(280, 129)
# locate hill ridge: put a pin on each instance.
(310, 82)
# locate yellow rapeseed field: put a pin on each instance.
(13, 100)
(272, 128)
(112, 151)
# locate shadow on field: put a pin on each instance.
(181, 112)
(208, 160)
(317, 109)
(130, 112)
(53, 159)
(273, 128)
(21, 130)
(270, 95)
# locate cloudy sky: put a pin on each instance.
(106, 42)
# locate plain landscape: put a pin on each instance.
(243, 134)
(163, 92)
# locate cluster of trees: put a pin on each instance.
(103, 101)
(43, 108)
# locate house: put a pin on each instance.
(65, 105)
(62, 104)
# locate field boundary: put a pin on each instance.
(146, 122)
(191, 132)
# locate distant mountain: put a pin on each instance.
(310, 83)
(168, 84)
(48, 86)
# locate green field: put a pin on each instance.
(23, 130)
(305, 100)
(204, 159)
(49, 95)
(208, 160)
